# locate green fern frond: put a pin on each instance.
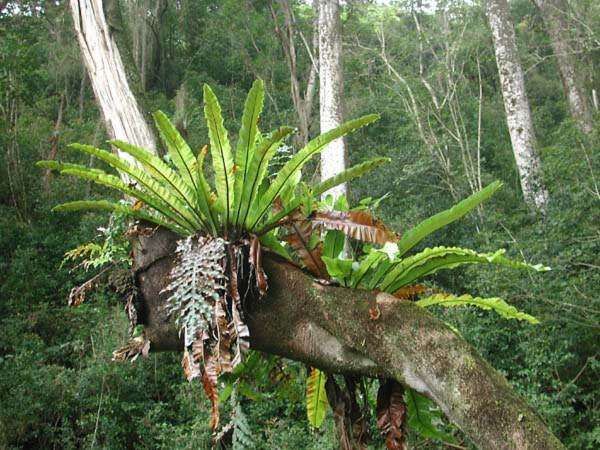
(428, 226)
(296, 163)
(431, 260)
(220, 150)
(168, 177)
(114, 182)
(258, 170)
(180, 152)
(160, 190)
(246, 142)
(496, 304)
(316, 398)
(118, 208)
(348, 175)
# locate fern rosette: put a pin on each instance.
(225, 219)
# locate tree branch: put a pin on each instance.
(331, 328)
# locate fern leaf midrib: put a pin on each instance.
(255, 181)
(255, 113)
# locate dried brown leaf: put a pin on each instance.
(391, 414)
(411, 292)
(191, 368)
(78, 293)
(359, 225)
(209, 383)
(132, 350)
(256, 263)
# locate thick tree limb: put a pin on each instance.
(331, 328)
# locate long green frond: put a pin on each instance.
(180, 152)
(433, 223)
(220, 150)
(496, 304)
(104, 205)
(149, 199)
(59, 165)
(300, 158)
(347, 175)
(247, 140)
(167, 176)
(153, 185)
(257, 170)
(431, 260)
(316, 397)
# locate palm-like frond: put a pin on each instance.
(296, 163)
(180, 152)
(220, 150)
(246, 142)
(430, 260)
(105, 205)
(433, 223)
(495, 304)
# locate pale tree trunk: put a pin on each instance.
(119, 108)
(516, 104)
(327, 327)
(333, 158)
(553, 13)
(302, 102)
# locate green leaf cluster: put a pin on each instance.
(178, 195)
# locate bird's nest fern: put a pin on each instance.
(224, 226)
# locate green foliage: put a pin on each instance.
(428, 226)
(54, 355)
(179, 198)
(316, 398)
(496, 304)
(385, 269)
(424, 417)
(114, 248)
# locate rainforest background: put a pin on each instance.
(58, 385)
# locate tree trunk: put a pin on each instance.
(333, 158)
(326, 327)
(331, 328)
(553, 13)
(54, 140)
(119, 108)
(516, 104)
(302, 103)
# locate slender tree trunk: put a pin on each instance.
(553, 13)
(302, 102)
(516, 104)
(333, 158)
(54, 140)
(101, 56)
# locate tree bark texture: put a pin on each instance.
(101, 56)
(553, 14)
(516, 104)
(331, 328)
(331, 88)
